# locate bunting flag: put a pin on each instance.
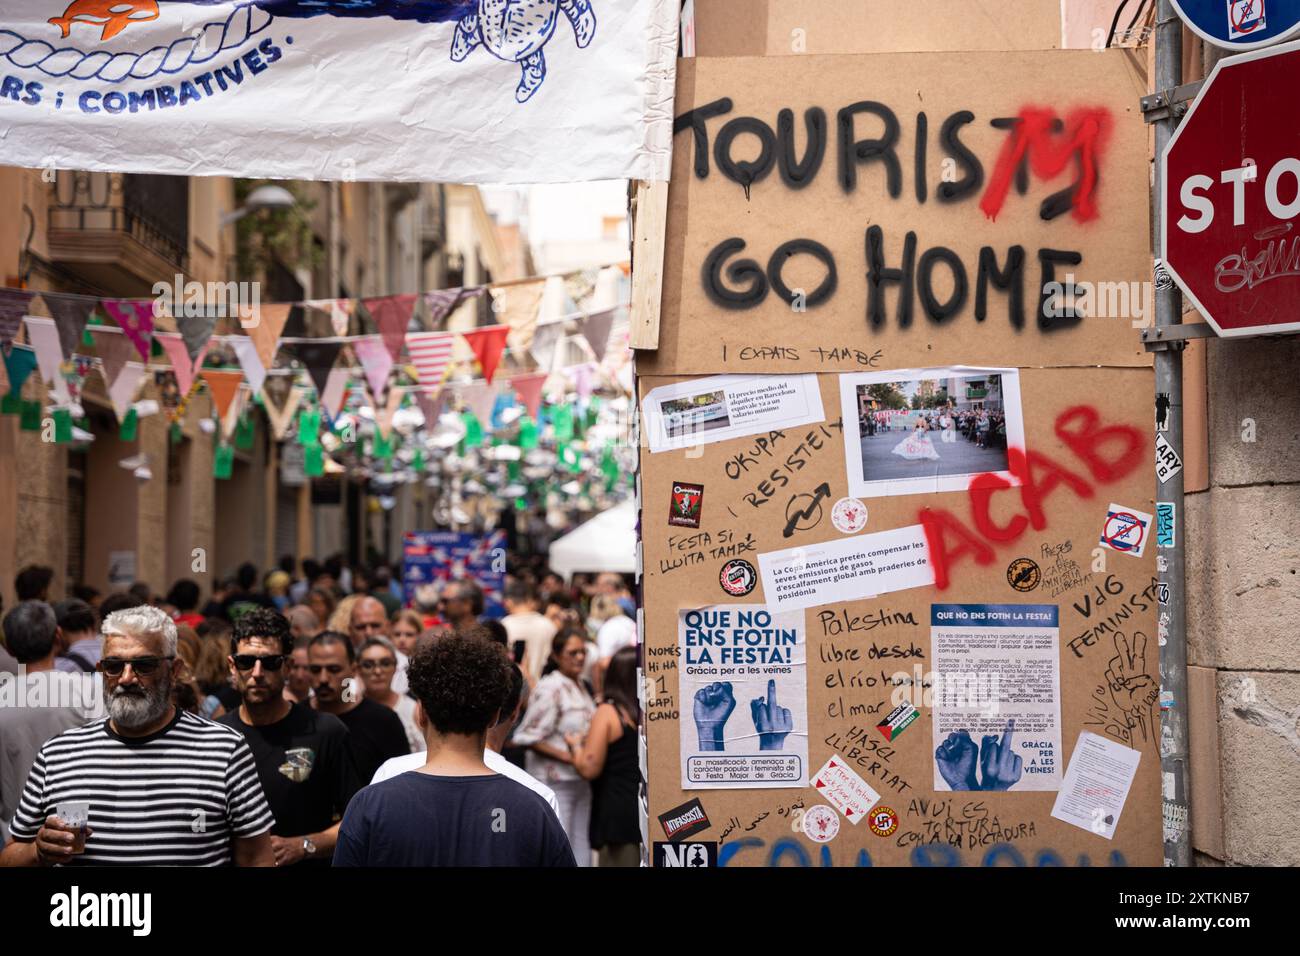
(529, 390)
(442, 302)
(246, 351)
(430, 353)
(122, 390)
(595, 329)
(114, 350)
(392, 316)
(480, 397)
(224, 386)
(384, 416)
(74, 376)
(430, 406)
(71, 313)
(487, 343)
(280, 400)
(376, 361)
(580, 285)
(185, 364)
(231, 416)
(197, 332)
(339, 311)
(43, 334)
(582, 381)
(546, 344)
(319, 357)
(13, 306)
(264, 326)
(516, 306)
(20, 361)
(335, 391)
(135, 318)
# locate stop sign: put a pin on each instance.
(1230, 204)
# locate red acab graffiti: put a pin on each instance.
(1108, 452)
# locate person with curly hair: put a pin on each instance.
(453, 811)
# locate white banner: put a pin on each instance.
(465, 91)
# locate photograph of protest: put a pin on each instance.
(914, 431)
(695, 413)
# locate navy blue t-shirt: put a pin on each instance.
(417, 819)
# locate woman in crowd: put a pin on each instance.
(407, 627)
(560, 704)
(189, 694)
(297, 684)
(377, 661)
(341, 619)
(322, 602)
(607, 756)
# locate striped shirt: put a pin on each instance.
(174, 798)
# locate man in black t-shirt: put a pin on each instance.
(375, 732)
(453, 811)
(303, 759)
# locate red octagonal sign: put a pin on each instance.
(1230, 212)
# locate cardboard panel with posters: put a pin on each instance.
(943, 583)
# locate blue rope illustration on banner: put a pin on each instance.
(511, 30)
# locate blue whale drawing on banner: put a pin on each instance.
(511, 30)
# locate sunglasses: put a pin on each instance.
(141, 666)
(269, 662)
(383, 663)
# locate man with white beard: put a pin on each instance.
(142, 778)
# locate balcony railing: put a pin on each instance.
(151, 210)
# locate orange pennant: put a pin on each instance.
(224, 386)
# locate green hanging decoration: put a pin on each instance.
(417, 460)
(11, 404)
(129, 430)
(521, 504)
(527, 432)
(62, 425)
(609, 466)
(245, 431)
(313, 461)
(309, 427)
(174, 434)
(382, 447)
(569, 457)
(562, 420)
(223, 461)
(593, 412)
(579, 425)
(513, 468)
(155, 349)
(473, 430)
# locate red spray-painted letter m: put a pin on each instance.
(1049, 145)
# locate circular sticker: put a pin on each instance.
(883, 821)
(1120, 531)
(738, 577)
(849, 515)
(1023, 574)
(821, 824)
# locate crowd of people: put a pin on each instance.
(313, 718)
(983, 427)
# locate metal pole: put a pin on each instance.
(1175, 778)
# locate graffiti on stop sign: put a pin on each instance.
(1231, 195)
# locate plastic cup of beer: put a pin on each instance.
(75, 814)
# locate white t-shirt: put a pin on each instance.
(495, 762)
(614, 635)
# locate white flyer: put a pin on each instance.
(841, 787)
(1096, 784)
(705, 410)
(997, 696)
(846, 569)
(744, 682)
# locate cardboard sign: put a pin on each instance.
(981, 441)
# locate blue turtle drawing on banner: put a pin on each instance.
(512, 30)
